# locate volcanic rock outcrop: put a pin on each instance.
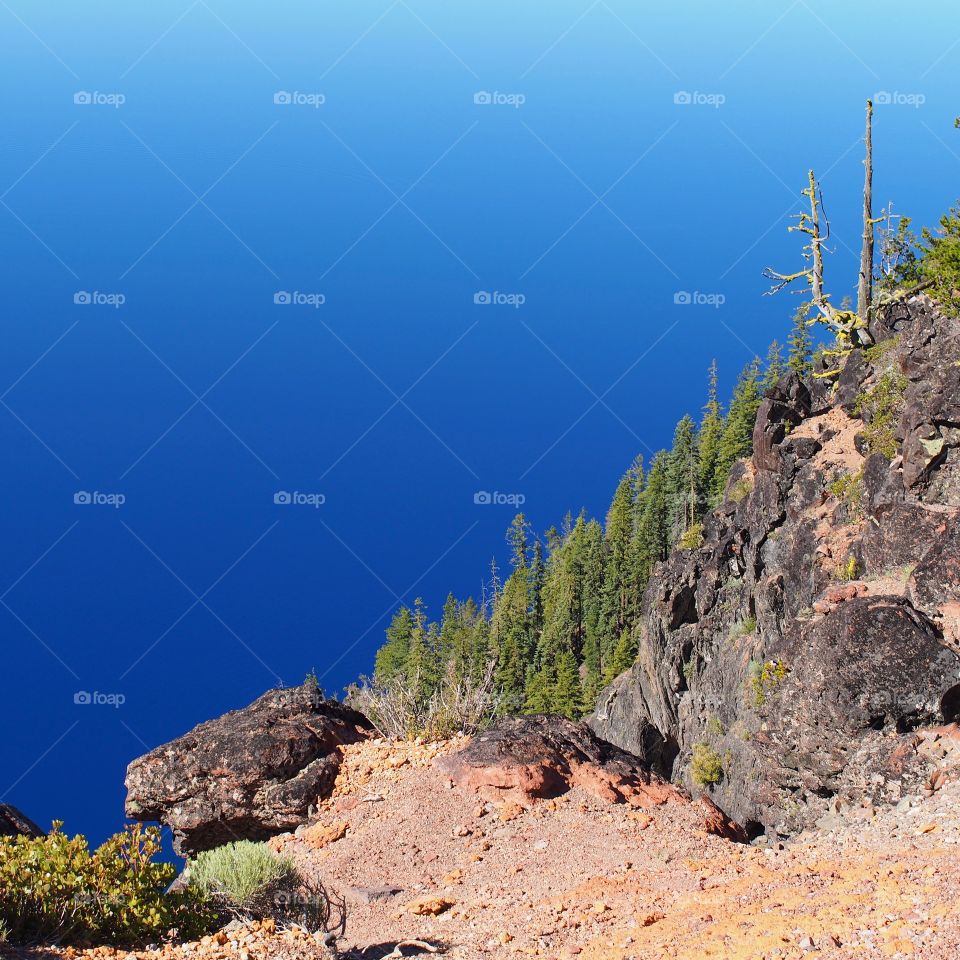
(14, 823)
(784, 663)
(522, 759)
(249, 774)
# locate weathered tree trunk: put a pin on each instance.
(865, 286)
(816, 251)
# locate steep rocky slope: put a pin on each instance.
(785, 663)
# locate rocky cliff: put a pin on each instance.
(785, 664)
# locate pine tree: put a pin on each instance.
(537, 574)
(422, 668)
(774, 369)
(567, 697)
(450, 633)
(619, 585)
(653, 533)
(708, 440)
(539, 698)
(510, 626)
(391, 659)
(737, 439)
(800, 343)
(682, 478)
(623, 657)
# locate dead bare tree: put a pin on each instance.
(865, 284)
(816, 226)
(849, 327)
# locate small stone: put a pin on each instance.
(429, 905)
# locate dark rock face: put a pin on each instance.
(13, 823)
(786, 405)
(249, 774)
(758, 648)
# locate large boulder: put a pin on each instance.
(13, 823)
(249, 774)
(522, 759)
(785, 405)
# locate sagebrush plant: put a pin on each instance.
(244, 873)
(55, 890)
(248, 881)
(398, 708)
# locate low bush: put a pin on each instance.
(691, 538)
(848, 487)
(248, 881)
(764, 678)
(706, 767)
(54, 890)
(880, 409)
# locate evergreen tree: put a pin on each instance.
(737, 439)
(619, 584)
(567, 693)
(623, 657)
(653, 533)
(450, 639)
(510, 627)
(537, 575)
(774, 369)
(800, 343)
(708, 440)
(682, 478)
(391, 659)
(422, 668)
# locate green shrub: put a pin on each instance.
(849, 488)
(875, 353)
(244, 874)
(850, 570)
(764, 678)
(247, 880)
(706, 767)
(880, 407)
(54, 890)
(691, 538)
